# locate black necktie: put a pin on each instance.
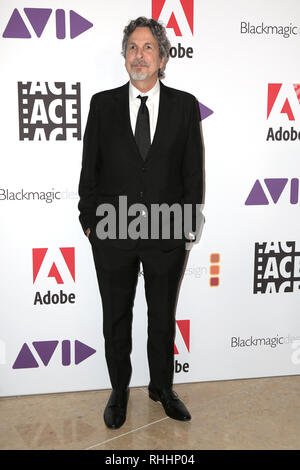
(142, 128)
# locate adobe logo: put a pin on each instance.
(182, 344)
(259, 194)
(182, 336)
(43, 351)
(59, 266)
(67, 258)
(283, 99)
(283, 104)
(35, 20)
(175, 14)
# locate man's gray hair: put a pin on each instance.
(159, 33)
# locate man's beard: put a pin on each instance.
(138, 75)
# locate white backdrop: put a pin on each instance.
(244, 67)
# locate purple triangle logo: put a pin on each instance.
(16, 27)
(256, 196)
(45, 350)
(38, 18)
(25, 359)
(204, 111)
(82, 351)
(78, 24)
(275, 187)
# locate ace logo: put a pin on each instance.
(283, 104)
(49, 111)
(59, 266)
(276, 267)
(177, 15)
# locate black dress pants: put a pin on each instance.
(117, 273)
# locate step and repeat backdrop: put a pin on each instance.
(238, 308)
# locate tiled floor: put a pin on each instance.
(239, 414)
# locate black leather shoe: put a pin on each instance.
(115, 410)
(173, 407)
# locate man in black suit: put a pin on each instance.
(142, 142)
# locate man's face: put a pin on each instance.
(142, 55)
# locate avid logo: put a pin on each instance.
(41, 352)
(276, 267)
(283, 105)
(272, 190)
(178, 16)
(34, 21)
(49, 111)
(57, 265)
(182, 344)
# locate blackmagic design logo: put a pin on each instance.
(276, 267)
(262, 29)
(270, 341)
(49, 111)
(45, 196)
(214, 270)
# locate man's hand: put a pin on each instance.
(87, 232)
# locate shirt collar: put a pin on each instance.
(134, 92)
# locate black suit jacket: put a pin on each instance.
(112, 165)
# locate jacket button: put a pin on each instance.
(141, 194)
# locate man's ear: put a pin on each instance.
(162, 63)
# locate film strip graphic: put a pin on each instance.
(49, 111)
(276, 267)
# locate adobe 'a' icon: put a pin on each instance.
(53, 263)
(284, 99)
(182, 336)
(175, 14)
